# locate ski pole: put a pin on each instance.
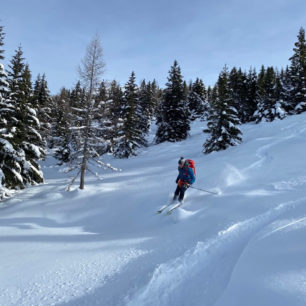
(204, 190)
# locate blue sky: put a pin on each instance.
(147, 36)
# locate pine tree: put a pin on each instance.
(251, 94)
(3, 76)
(223, 119)
(173, 118)
(132, 135)
(285, 89)
(103, 115)
(238, 92)
(157, 96)
(114, 114)
(10, 168)
(197, 100)
(298, 75)
(43, 103)
(148, 104)
(268, 107)
(25, 137)
(61, 139)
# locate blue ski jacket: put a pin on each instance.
(186, 175)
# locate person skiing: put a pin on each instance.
(185, 178)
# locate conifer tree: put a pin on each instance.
(11, 158)
(148, 103)
(10, 155)
(3, 76)
(115, 114)
(26, 138)
(238, 92)
(61, 139)
(157, 96)
(173, 117)
(268, 107)
(131, 136)
(251, 94)
(223, 119)
(197, 100)
(104, 114)
(298, 75)
(43, 103)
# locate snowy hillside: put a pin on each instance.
(107, 246)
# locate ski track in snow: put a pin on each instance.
(209, 265)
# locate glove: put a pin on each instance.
(177, 180)
(186, 185)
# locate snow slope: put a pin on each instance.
(107, 246)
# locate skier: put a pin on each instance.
(185, 178)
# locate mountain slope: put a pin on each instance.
(106, 245)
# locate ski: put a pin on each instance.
(164, 207)
(169, 212)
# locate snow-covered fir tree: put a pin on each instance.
(238, 92)
(197, 100)
(268, 105)
(10, 157)
(4, 86)
(173, 115)
(157, 96)
(298, 75)
(148, 103)
(251, 94)
(285, 89)
(24, 125)
(43, 103)
(223, 120)
(104, 107)
(61, 140)
(114, 114)
(132, 136)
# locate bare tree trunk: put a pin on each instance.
(83, 166)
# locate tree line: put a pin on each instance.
(81, 124)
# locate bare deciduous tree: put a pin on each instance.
(86, 127)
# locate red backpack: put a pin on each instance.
(191, 165)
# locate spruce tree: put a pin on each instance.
(132, 135)
(238, 92)
(26, 139)
(223, 119)
(250, 99)
(115, 113)
(10, 157)
(285, 89)
(173, 118)
(3, 76)
(268, 106)
(61, 139)
(197, 100)
(44, 106)
(298, 75)
(148, 104)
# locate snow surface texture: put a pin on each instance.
(107, 246)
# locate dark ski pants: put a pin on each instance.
(179, 192)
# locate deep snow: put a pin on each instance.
(107, 246)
